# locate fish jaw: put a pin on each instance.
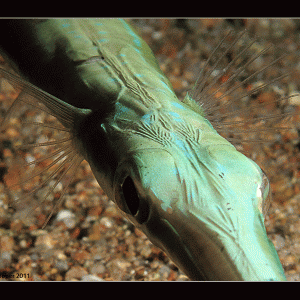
(204, 252)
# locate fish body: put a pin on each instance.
(159, 159)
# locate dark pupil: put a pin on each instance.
(130, 195)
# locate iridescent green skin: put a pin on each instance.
(199, 198)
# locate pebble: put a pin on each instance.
(45, 240)
(61, 265)
(293, 277)
(91, 278)
(182, 278)
(98, 268)
(296, 99)
(81, 256)
(95, 232)
(118, 268)
(67, 217)
(164, 272)
(6, 243)
(5, 259)
(75, 273)
(278, 241)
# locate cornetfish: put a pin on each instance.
(159, 159)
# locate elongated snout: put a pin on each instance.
(205, 250)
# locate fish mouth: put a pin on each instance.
(201, 255)
(194, 252)
(209, 258)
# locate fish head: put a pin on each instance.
(203, 207)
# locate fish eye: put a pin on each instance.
(131, 202)
(130, 195)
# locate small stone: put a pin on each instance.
(67, 217)
(23, 244)
(91, 278)
(5, 259)
(58, 277)
(75, 273)
(95, 232)
(182, 278)
(164, 272)
(45, 240)
(98, 268)
(290, 262)
(24, 259)
(81, 256)
(45, 266)
(61, 265)
(293, 277)
(60, 255)
(36, 277)
(16, 226)
(6, 243)
(95, 211)
(118, 268)
(107, 222)
(111, 211)
(295, 100)
(146, 251)
(278, 241)
(75, 233)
